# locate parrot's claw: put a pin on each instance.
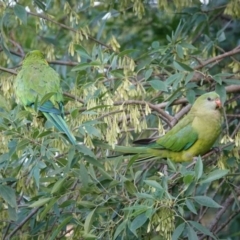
(217, 150)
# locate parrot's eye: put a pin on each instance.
(209, 99)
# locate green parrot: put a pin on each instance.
(33, 82)
(193, 135)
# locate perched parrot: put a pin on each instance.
(194, 135)
(33, 82)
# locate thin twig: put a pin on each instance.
(235, 130)
(8, 70)
(73, 97)
(20, 225)
(223, 225)
(219, 57)
(64, 63)
(224, 208)
(68, 28)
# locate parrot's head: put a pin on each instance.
(208, 102)
(33, 57)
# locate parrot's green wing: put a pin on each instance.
(179, 138)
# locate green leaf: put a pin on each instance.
(94, 162)
(129, 186)
(217, 174)
(190, 96)
(138, 209)
(188, 45)
(188, 179)
(83, 66)
(8, 194)
(171, 165)
(178, 231)
(22, 144)
(158, 85)
(154, 184)
(89, 236)
(191, 206)
(47, 208)
(180, 210)
(36, 174)
(60, 227)
(108, 176)
(148, 74)
(189, 77)
(138, 222)
(84, 175)
(87, 204)
(202, 229)
(40, 202)
(85, 150)
(221, 36)
(88, 221)
(174, 77)
(120, 228)
(127, 52)
(4, 103)
(21, 13)
(182, 67)
(40, 4)
(70, 157)
(82, 51)
(169, 38)
(144, 195)
(221, 90)
(91, 130)
(206, 201)
(198, 168)
(155, 45)
(12, 213)
(132, 160)
(58, 185)
(191, 233)
(231, 81)
(217, 79)
(179, 51)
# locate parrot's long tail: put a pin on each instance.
(60, 124)
(54, 116)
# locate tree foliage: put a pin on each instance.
(129, 70)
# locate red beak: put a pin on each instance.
(218, 103)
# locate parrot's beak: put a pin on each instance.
(218, 103)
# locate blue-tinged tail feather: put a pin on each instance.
(54, 115)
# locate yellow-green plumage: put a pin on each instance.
(34, 81)
(194, 135)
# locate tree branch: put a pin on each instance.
(218, 58)
(8, 70)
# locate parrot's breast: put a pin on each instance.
(208, 127)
